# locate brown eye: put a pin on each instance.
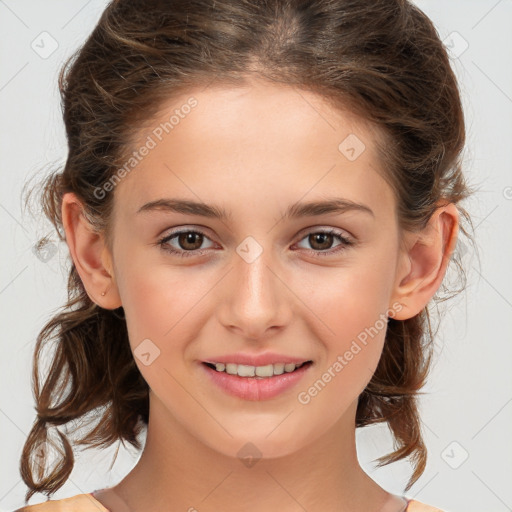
(320, 241)
(190, 240)
(184, 243)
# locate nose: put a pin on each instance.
(256, 300)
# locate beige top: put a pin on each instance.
(88, 503)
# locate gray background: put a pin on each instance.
(466, 409)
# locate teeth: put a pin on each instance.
(278, 368)
(243, 370)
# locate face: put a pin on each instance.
(270, 278)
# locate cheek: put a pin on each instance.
(350, 320)
(159, 304)
(168, 306)
(350, 300)
(156, 298)
(351, 310)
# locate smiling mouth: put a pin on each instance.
(262, 372)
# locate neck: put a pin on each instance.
(184, 473)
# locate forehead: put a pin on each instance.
(261, 141)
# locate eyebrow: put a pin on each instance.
(296, 210)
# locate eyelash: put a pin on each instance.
(345, 242)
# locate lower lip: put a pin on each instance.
(256, 388)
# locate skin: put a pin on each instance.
(254, 151)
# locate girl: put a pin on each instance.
(260, 200)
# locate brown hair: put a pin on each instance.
(382, 60)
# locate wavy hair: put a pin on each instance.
(382, 60)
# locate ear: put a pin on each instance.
(90, 254)
(424, 260)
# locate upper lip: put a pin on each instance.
(256, 359)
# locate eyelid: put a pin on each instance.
(343, 233)
(185, 228)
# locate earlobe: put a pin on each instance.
(90, 254)
(426, 260)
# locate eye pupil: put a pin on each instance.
(321, 239)
(189, 238)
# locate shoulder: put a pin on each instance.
(78, 503)
(416, 506)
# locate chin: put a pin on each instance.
(281, 439)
